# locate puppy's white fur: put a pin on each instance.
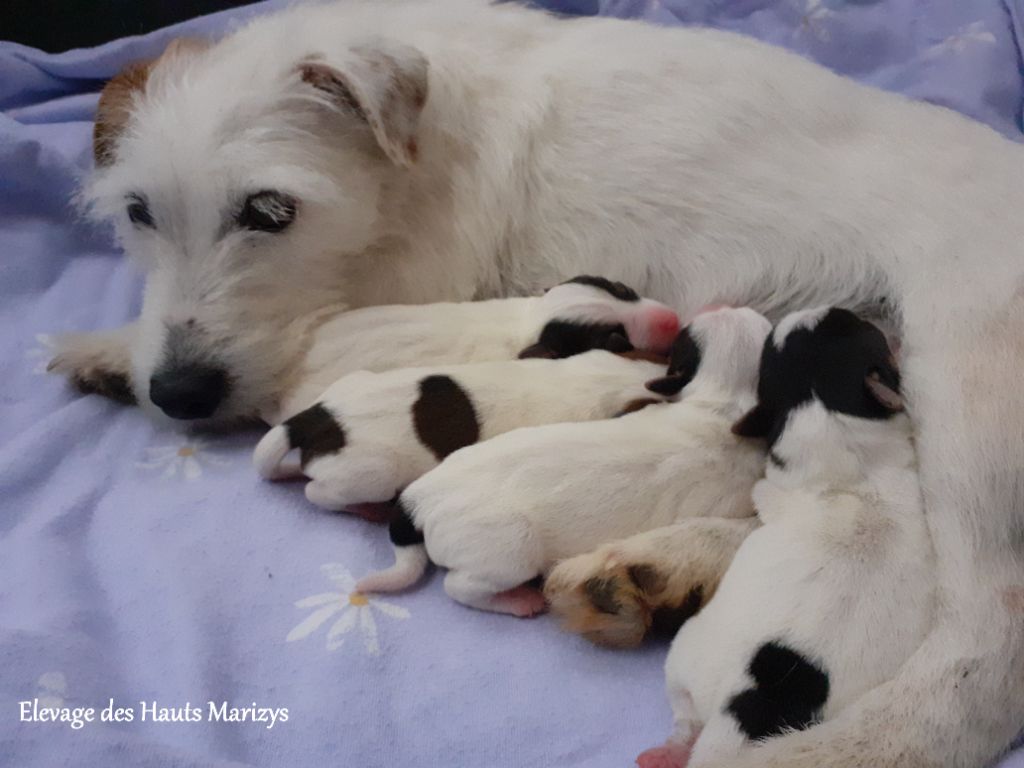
(502, 512)
(403, 336)
(842, 571)
(696, 164)
(383, 451)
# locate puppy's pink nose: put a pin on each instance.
(663, 327)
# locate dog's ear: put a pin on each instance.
(118, 97)
(757, 422)
(384, 85)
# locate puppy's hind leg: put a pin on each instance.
(522, 601)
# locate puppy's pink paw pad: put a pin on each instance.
(523, 601)
(665, 756)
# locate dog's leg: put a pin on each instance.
(957, 702)
(98, 362)
(617, 593)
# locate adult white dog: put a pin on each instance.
(363, 153)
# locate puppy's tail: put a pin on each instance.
(410, 557)
(270, 452)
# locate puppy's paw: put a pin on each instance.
(95, 363)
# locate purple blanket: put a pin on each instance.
(150, 574)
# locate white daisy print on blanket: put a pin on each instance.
(349, 608)
(185, 459)
(51, 689)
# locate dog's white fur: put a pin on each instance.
(502, 512)
(697, 165)
(382, 453)
(404, 336)
(841, 572)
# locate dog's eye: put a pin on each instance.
(267, 211)
(138, 212)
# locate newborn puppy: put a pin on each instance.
(371, 434)
(583, 313)
(502, 512)
(835, 591)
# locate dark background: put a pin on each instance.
(57, 25)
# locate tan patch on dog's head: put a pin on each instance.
(120, 93)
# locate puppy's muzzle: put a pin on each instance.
(191, 391)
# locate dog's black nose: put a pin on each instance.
(188, 392)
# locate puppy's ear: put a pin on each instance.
(756, 423)
(615, 342)
(384, 85)
(885, 393)
(667, 385)
(538, 350)
(118, 97)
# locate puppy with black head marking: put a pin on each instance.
(502, 512)
(583, 313)
(835, 591)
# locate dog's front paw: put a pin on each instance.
(95, 363)
(615, 597)
(650, 582)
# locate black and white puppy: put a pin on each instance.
(583, 313)
(500, 513)
(835, 591)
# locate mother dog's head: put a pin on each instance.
(253, 187)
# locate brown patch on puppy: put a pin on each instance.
(640, 354)
(118, 97)
(638, 405)
(444, 417)
(116, 386)
(315, 432)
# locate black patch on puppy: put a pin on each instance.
(116, 386)
(315, 432)
(789, 693)
(667, 619)
(832, 361)
(775, 460)
(601, 592)
(683, 363)
(561, 338)
(444, 417)
(616, 290)
(402, 531)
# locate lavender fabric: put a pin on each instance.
(150, 568)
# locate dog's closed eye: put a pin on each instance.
(267, 211)
(138, 211)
